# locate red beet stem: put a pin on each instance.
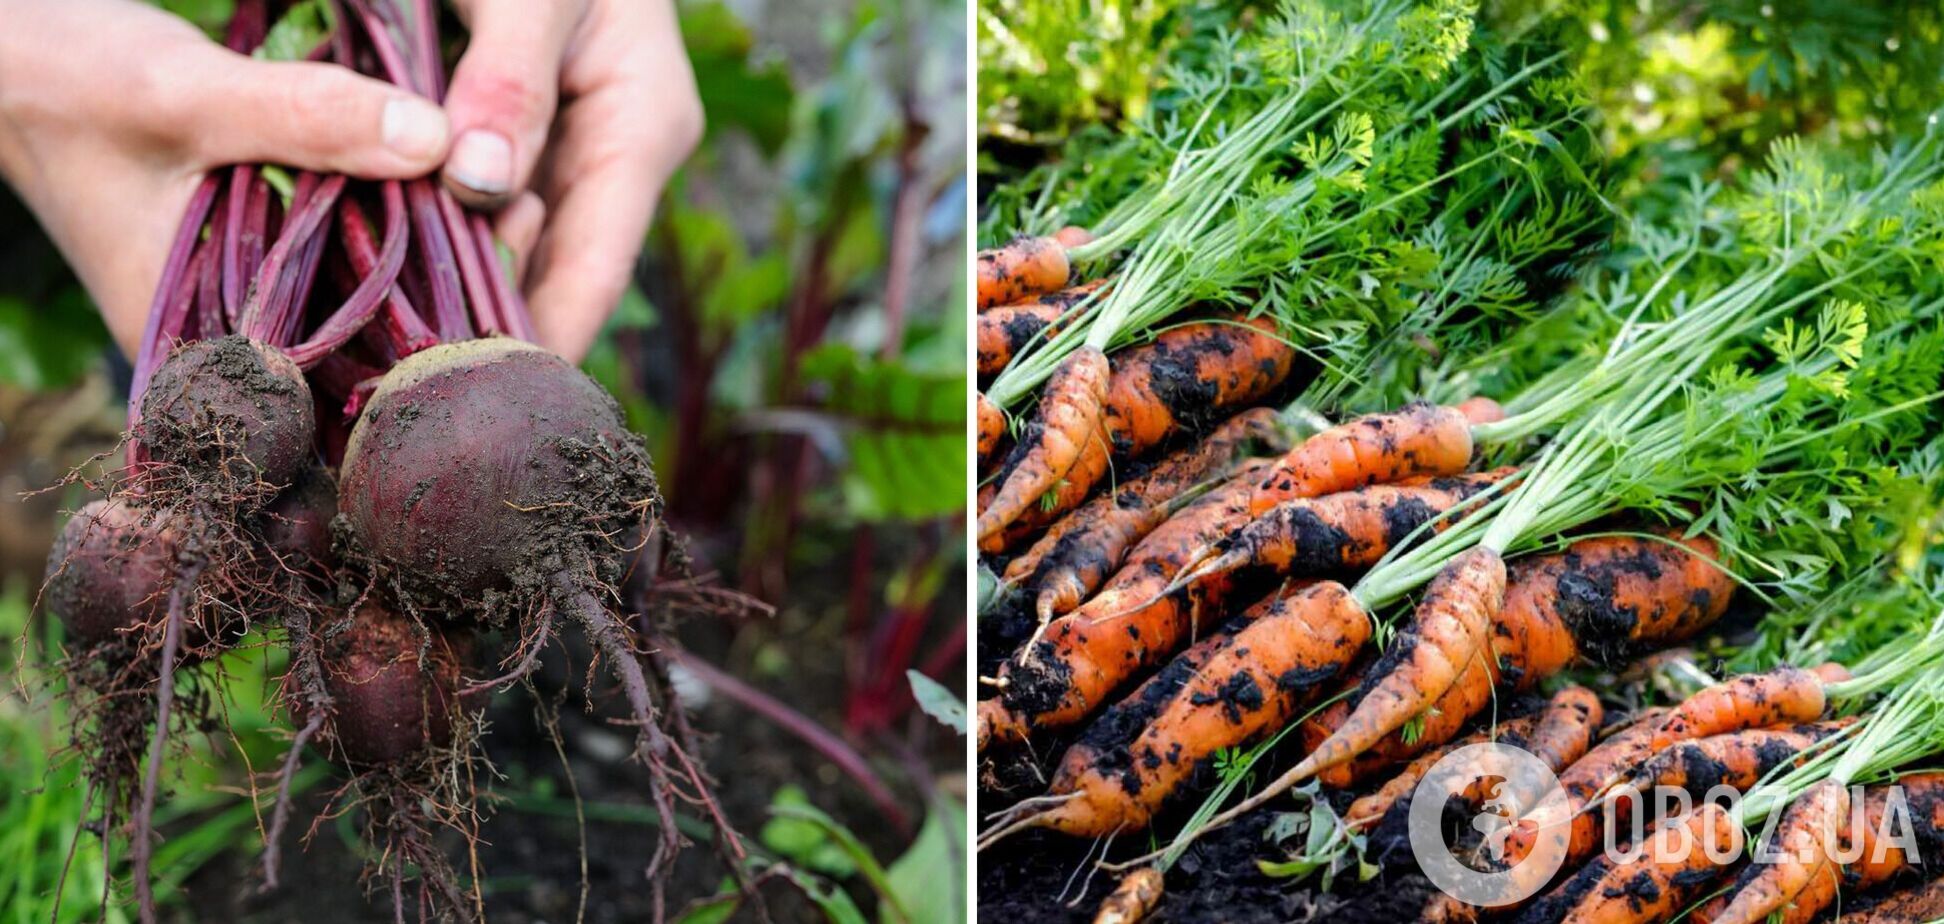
(513, 313)
(250, 243)
(207, 269)
(275, 291)
(400, 321)
(390, 60)
(363, 304)
(166, 311)
(428, 228)
(426, 14)
(479, 293)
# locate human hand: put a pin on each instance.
(572, 115)
(111, 111)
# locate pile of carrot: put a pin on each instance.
(1216, 550)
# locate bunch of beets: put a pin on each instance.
(341, 438)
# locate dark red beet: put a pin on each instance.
(493, 465)
(391, 706)
(109, 571)
(297, 525)
(232, 408)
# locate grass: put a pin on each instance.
(41, 792)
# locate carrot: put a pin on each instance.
(1803, 870)
(1737, 760)
(1447, 634)
(1606, 599)
(1089, 653)
(1134, 899)
(1252, 682)
(1783, 695)
(1603, 598)
(1022, 268)
(1877, 861)
(1073, 236)
(1919, 904)
(1368, 810)
(992, 425)
(1069, 417)
(1190, 376)
(1075, 555)
(1576, 833)
(1053, 506)
(1119, 724)
(1446, 638)
(1416, 440)
(1665, 875)
(1005, 330)
(1349, 529)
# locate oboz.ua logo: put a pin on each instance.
(1521, 823)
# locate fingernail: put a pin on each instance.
(414, 128)
(483, 162)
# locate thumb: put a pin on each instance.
(503, 97)
(310, 116)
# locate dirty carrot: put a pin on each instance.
(1737, 760)
(1346, 530)
(1803, 842)
(1133, 899)
(1666, 873)
(1447, 633)
(1005, 330)
(1252, 682)
(992, 426)
(1368, 810)
(1022, 268)
(1068, 417)
(1190, 376)
(1077, 553)
(1786, 694)
(1089, 653)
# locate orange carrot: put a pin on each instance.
(1346, 530)
(1447, 636)
(1054, 506)
(992, 425)
(1804, 870)
(1607, 599)
(1783, 695)
(1123, 770)
(1007, 329)
(1367, 811)
(1877, 861)
(1666, 873)
(1737, 760)
(1447, 633)
(1072, 559)
(1190, 376)
(1134, 899)
(1919, 904)
(1024, 267)
(1416, 440)
(1073, 236)
(1089, 653)
(1574, 831)
(1068, 417)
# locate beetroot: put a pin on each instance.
(493, 465)
(394, 686)
(110, 571)
(230, 408)
(297, 525)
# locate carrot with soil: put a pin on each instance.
(1023, 268)
(1003, 331)
(1253, 680)
(1074, 556)
(1068, 419)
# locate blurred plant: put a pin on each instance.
(803, 344)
